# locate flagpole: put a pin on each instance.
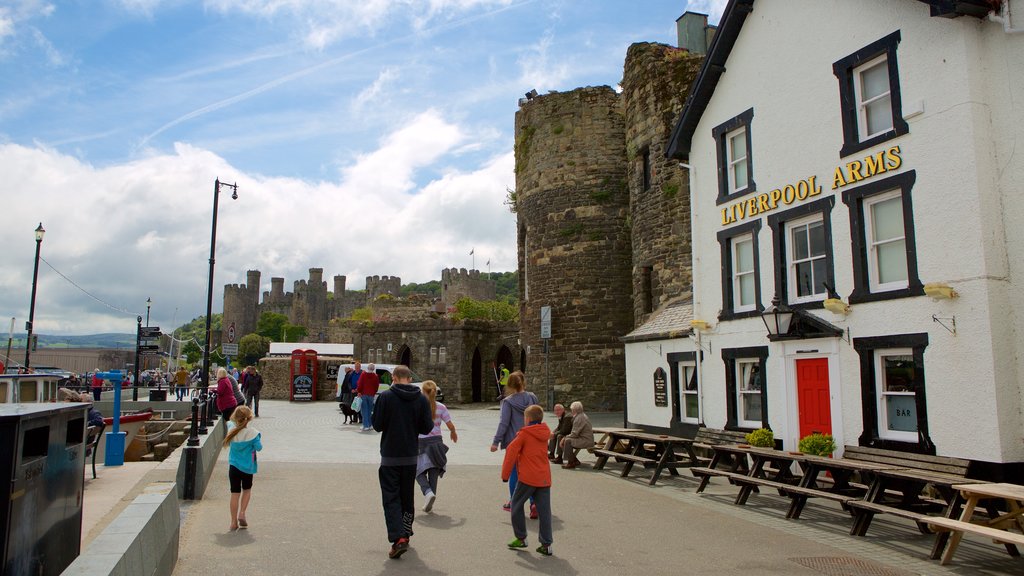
(473, 254)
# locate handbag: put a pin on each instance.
(357, 403)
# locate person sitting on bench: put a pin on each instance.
(581, 437)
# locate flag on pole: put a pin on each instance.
(471, 251)
(488, 262)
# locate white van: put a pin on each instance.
(384, 373)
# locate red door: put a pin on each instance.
(813, 396)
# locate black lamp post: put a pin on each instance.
(217, 184)
(777, 318)
(149, 303)
(32, 305)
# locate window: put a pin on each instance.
(746, 391)
(882, 235)
(380, 355)
(647, 169)
(743, 273)
(735, 168)
(741, 278)
(689, 394)
(647, 289)
(433, 354)
(803, 253)
(442, 355)
(748, 375)
(869, 95)
(807, 259)
(897, 406)
(894, 406)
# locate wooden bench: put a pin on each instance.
(940, 464)
(93, 437)
(706, 438)
(998, 536)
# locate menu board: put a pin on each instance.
(660, 388)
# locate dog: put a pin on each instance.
(351, 416)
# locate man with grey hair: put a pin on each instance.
(367, 388)
(581, 437)
(562, 429)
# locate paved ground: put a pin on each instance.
(316, 510)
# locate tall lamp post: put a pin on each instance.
(149, 302)
(217, 184)
(32, 305)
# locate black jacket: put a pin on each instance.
(401, 413)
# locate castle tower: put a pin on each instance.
(241, 302)
(339, 287)
(655, 83)
(458, 283)
(572, 204)
(379, 285)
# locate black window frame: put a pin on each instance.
(729, 358)
(677, 425)
(646, 173)
(854, 200)
(741, 120)
(725, 238)
(843, 71)
(777, 223)
(865, 348)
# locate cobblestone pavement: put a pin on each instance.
(316, 510)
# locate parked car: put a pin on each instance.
(384, 373)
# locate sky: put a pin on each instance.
(370, 137)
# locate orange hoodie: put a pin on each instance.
(529, 453)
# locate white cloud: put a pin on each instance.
(713, 8)
(375, 92)
(538, 71)
(138, 230)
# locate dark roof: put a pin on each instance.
(733, 17)
(670, 322)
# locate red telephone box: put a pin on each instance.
(303, 375)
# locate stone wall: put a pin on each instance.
(572, 203)
(457, 283)
(656, 80)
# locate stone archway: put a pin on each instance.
(505, 357)
(404, 356)
(477, 376)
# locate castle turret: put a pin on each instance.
(459, 283)
(572, 203)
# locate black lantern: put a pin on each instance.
(777, 318)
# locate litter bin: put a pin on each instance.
(42, 467)
(158, 395)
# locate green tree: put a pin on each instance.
(252, 347)
(469, 309)
(193, 353)
(272, 325)
(294, 333)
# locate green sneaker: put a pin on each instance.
(544, 550)
(517, 544)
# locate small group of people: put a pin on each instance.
(357, 394)
(231, 393)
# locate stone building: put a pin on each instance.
(603, 221)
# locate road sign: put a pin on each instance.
(148, 347)
(149, 331)
(545, 322)
(229, 349)
(231, 333)
(149, 352)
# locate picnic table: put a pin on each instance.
(842, 490)
(605, 432)
(658, 451)
(907, 484)
(996, 528)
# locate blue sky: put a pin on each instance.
(367, 138)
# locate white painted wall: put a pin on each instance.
(968, 153)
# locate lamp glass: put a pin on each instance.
(40, 232)
(777, 318)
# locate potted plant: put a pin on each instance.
(817, 444)
(761, 438)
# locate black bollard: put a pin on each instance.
(203, 416)
(193, 435)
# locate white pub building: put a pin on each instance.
(857, 189)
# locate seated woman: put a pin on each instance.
(581, 437)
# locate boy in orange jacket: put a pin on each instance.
(528, 453)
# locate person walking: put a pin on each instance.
(515, 402)
(367, 387)
(433, 459)
(253, 385)
(402, 413)
(180, 383)
(244, 441)
(581, 437)
(226, 401)
(527, 453)
(563, 429)
(97, 385)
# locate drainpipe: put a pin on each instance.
(1005, 19)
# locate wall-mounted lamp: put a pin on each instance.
(940, 291)
(777, 318)
(699, 324)
(836, 306)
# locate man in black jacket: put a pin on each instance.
(563, 430)
(401, 414)
(253, 385)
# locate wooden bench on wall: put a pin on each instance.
(708, 437)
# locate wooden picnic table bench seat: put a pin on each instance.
(922, 462)
(707, 438)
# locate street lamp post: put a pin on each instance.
(149, 302)
(217, 184)
(32, 304)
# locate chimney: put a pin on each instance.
(693, 32)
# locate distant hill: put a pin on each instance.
(109, 340)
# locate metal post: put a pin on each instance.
(138, 335)
(10, 338)
(204, 377)
(32, 302)
(203, 413)
(547, 378)
(193, 433)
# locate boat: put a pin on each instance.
(130, 424)
(28, 388)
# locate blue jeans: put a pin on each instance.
(366, 409)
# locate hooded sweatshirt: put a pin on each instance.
(401, 413)
(511, 420)
(244, 447)
(529, 454)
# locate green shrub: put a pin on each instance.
(762, 437)
(817, 444)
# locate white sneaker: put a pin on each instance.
(430, 502)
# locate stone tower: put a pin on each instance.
(655, 83)
(572, 203)
(240, 304)
(380, 285)
(457, 283)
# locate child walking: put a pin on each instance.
(244, 442)
(433, 459)
(528, 454)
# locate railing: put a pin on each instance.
(203, 415)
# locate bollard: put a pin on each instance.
(211, 410)
(193, 434)
(201, 400)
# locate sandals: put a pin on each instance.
(242, 523)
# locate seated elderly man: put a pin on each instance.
(581, 437)
(562, 429)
